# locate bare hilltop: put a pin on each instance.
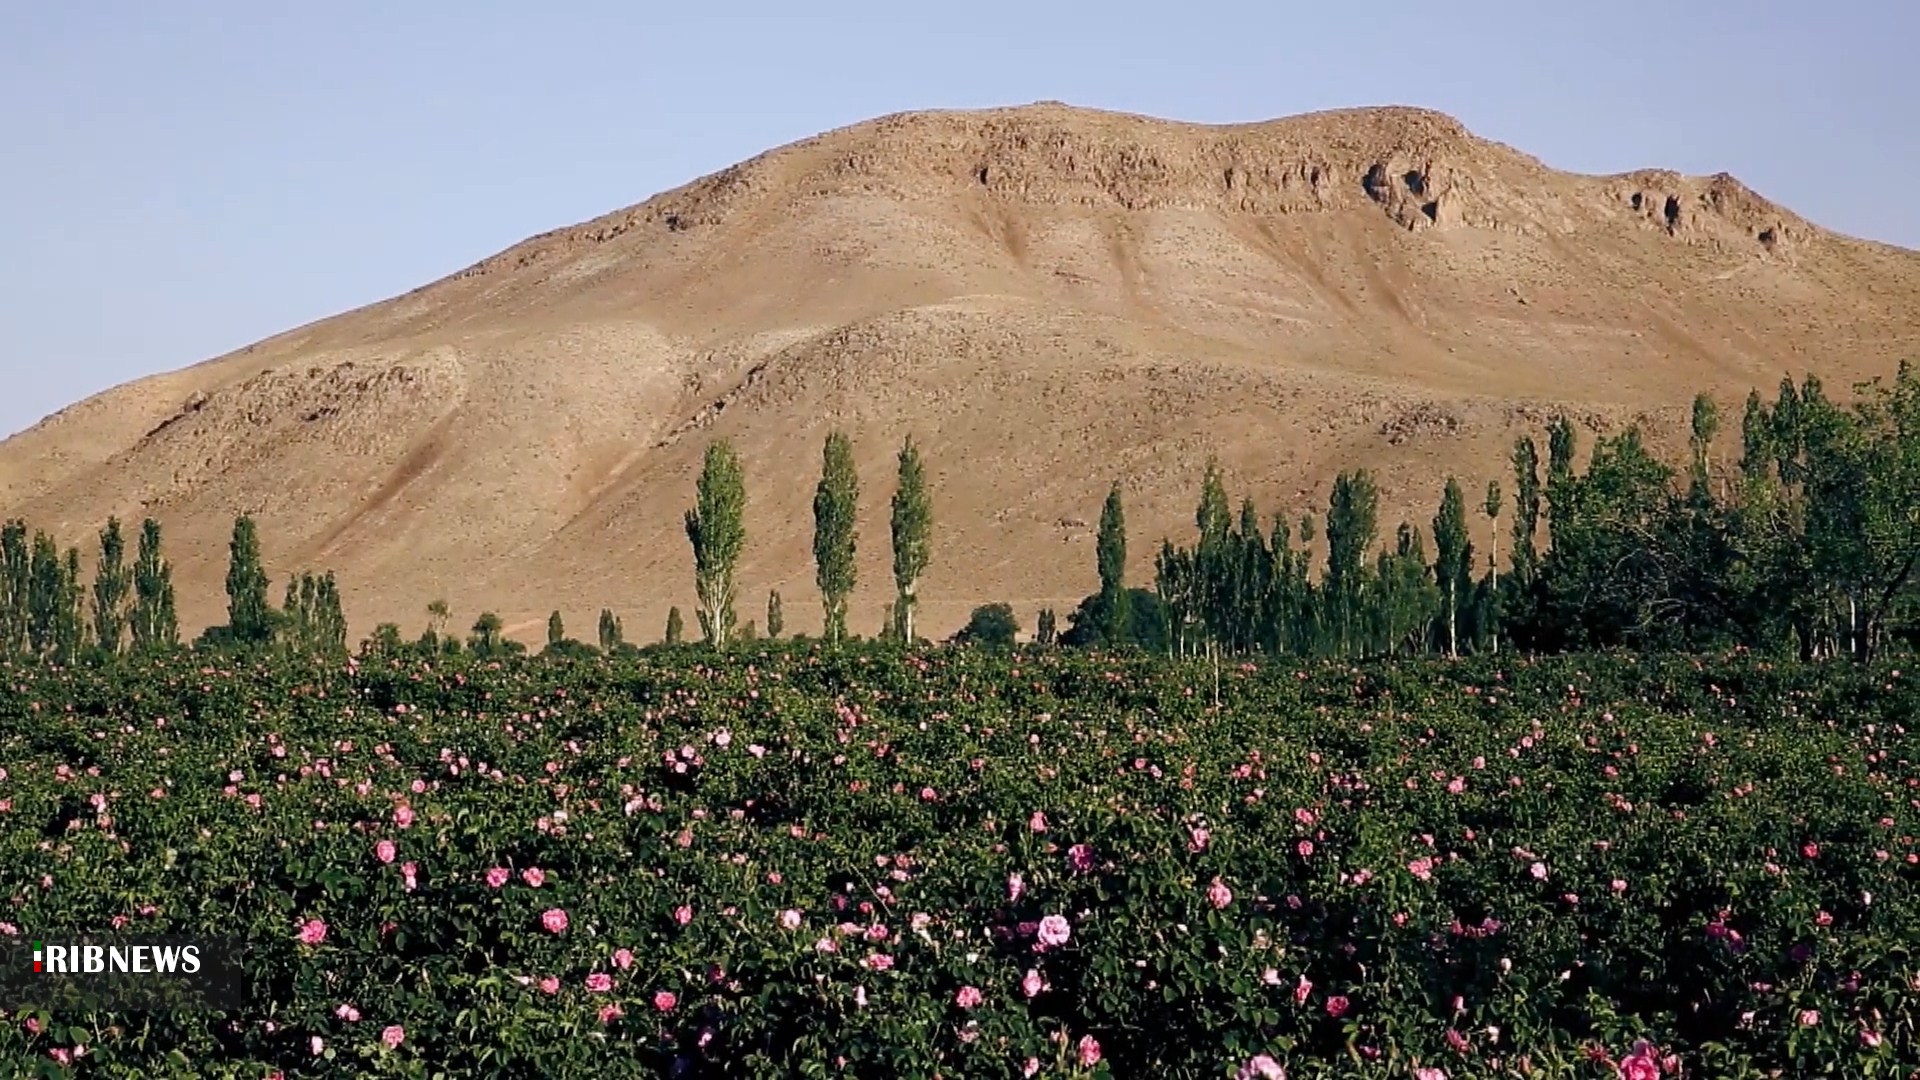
(1046, 298)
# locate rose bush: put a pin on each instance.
(782, 861)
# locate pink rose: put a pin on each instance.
(554, 919)
(393, 1036)
(498, 876)
(1089, 1051)
(312, 932)
(1054, 930)
(664, 1001)
(968, 997)
(533, 876)
(384, 851)
(1218, 894)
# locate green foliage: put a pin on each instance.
(1578, 853)
(556, 628)
(990, 625)
(836, 503)
(717, 530)
(1453, 559)
(612, 634)
(776, 617)
(1111, 553)
(249, 614)
(1146, 624)
(1046, 628)
(154, 624)
(112, 586)
(1352, 520)
(912, 524)
(676, 627)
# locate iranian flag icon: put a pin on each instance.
(37, 964)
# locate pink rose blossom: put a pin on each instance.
(1089, 1050)
(393, 1036)
(1054, 930)
(384, 851)
(498, 876)
(312, 932)
(599, 982)
(1261, 1067)
(968, 997)
(1030, 984)
(1218, 894)
(533, 876)
(664, 1001)
(622, 959)
(554, 919)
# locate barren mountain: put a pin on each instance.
(1047, 298)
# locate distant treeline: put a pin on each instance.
(1807, 544)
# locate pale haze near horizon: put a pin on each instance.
(183, 179)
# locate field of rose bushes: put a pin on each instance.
(878, 864)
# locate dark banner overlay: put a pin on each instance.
(114, 973)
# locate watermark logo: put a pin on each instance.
(130, 974)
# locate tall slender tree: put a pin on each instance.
(16, 585)
(249, 614)
(154, 623)
(1492, 508)
(676, 627)
(46, 595)
(836, 501)
(611, 632)
(1111, 553)
(776, 615)
(1352, 520)
(112, 584)
(556, 629)
(1706, 423)
(717, 530)
(70, 633)
(1452, 559)
(912, 523)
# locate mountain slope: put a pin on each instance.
(1046, 297)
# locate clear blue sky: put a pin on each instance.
(179, 177)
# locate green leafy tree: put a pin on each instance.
(46, 595)
(912, 525)
(676, 627)
(155, 624)
(249, 614)
(835, 505)
(1352, 520)
(776, 617)
(1705, 424)
(16, 586)
(71, 634)
(1452, 559)
(612, 635)
(1491, 507)
(1111, 552)
(991, 626)
(717, 530)
(112, 586)
(488, 637)
(1046, 629)
(556, 629)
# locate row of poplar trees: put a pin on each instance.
(48, 612)
(1809, 543)
(716, 528)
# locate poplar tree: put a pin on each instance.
(776, 617)
(835, 504)
(912, 522)
(1452, 559)
(1111, 552)
(70, 626)
(154, 622)
(611, 633)
(16, 584)
(111, 586)
(46, 594)
(1352, 518)
(716, 528)
(249, 615)
(1492, 508)
(556, 629)
(676, 626)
